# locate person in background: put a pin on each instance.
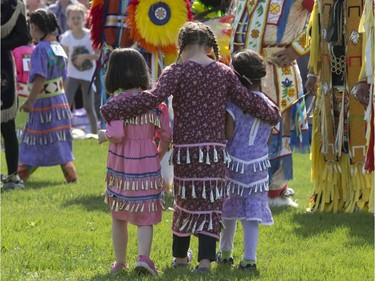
(247, 174)
(59, 9)
(32, 5)
(200, 87)
(46, 139)
(81, 63)
(276, 30)
(22, 56)
(134, 182)
(364, 90)
(339, 129)
(14, 33)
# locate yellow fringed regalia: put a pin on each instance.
(338, 145)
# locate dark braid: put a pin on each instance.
(197, 33)
(45, 21)
(248, 63)
(213, 43)
(55, 25)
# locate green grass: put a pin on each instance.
(54, 231)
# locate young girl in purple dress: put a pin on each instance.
(134, 183)
(200, 87)
(46, 140)
(247, 171)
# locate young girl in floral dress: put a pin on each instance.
(200, 87)
(47, 140)
(134, 183)
(247, 171)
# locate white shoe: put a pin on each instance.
(13, 182)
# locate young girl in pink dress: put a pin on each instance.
(134, 183)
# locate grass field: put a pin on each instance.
(54, 231)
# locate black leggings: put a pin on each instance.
(207, 247)
(8, 131)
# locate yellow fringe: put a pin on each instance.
(338, 186)
(313, 30)
(345, 191)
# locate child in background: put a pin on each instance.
(22, 56)
(200, 87)
(134, 182)
(82, 61)
(46, 140)
(247, 171)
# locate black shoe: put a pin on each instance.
(220, 260)
(250, 266)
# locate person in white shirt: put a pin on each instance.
(82, 61)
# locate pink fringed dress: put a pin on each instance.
(134, 183)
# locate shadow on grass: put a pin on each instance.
(96, 202)
(115, 276)
(170, 273)
(218, 273)
(360, 225)
(282, 209)
(89, 202)
(42, 184)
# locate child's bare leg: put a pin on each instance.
(69, 171)
(24, 171)
(120, 239)
(144, 237)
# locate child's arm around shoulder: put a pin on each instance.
(164, 132)
(252, 103)
(130, 107)
(230, 121)
(114, 132)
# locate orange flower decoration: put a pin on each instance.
(291, 92)
(283, 102)
(286, 70)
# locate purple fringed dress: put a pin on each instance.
(47, 139)
(247, 171)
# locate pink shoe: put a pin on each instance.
(117, 266)
(145, 266)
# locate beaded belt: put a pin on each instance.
(51, 88)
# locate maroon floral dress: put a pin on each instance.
(200, 93)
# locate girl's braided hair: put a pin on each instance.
(46, 22)
(197, 33)
(248, 63)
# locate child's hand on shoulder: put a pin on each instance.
(102, 136)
